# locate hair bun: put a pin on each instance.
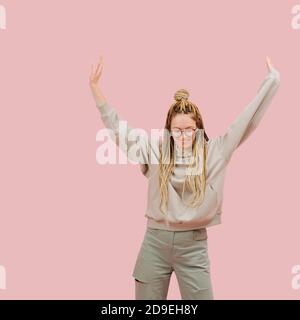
(181, 94)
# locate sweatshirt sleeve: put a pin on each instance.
(250, 117)
(133, 142)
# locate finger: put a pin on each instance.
(268, 62)
(98, 66)
(101, 60)
(99, 71)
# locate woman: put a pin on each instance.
(185, 171)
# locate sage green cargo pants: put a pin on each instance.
(164, 251)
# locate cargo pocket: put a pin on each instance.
(137, 280)
(141, 271)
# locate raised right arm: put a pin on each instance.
(135, 142)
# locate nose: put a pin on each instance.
(181, 139)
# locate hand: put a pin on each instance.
(269, 64)
(96, 74)
(95, 88)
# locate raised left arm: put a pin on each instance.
(251, 116)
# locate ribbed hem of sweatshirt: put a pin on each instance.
(151, 223)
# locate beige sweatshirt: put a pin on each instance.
(220, 150)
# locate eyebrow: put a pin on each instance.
(183, 128)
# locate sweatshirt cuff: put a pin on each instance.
(273, 73)
(103, 108)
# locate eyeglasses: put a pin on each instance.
(176, 133)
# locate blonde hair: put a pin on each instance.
(196, 182)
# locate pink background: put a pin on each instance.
(71, 228)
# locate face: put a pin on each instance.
(183, 121)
